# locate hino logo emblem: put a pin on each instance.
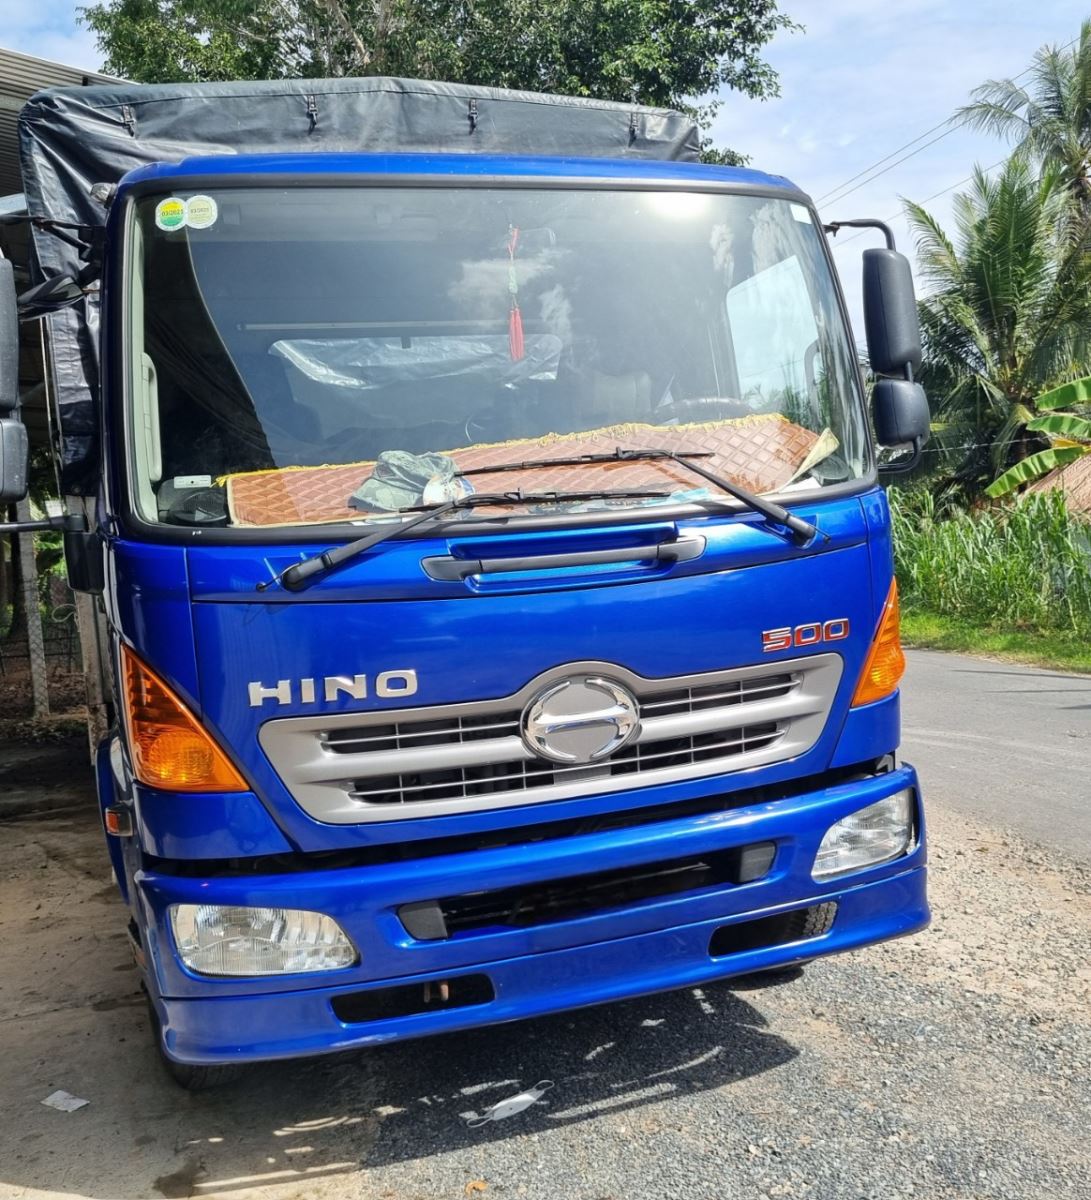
(389, 685)
(581, 719)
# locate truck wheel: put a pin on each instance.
(201, 1079)
(192, 1078)
(770, 977)
(806, 923)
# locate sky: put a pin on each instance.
(863, 78)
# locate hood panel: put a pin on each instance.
(484, 646)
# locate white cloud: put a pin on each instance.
(48, 29)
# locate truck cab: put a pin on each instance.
(498, 594)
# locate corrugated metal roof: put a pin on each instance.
(1074, 480)
(20, 77)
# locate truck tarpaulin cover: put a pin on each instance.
(72, 138)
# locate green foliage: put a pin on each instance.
(1057, 651)
(1062, 425)
(1006, 315)
(1023, 567)
(1072, 431)
(1033, 467)
(1048, 117)
(1068, 395)
(659, 52)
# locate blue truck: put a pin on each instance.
(488, 566)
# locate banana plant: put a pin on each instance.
(1069, 432)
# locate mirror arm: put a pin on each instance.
(68, 522)
(82, 237)
(834, 227)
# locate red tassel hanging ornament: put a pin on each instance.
(516, 344)
(515, 334)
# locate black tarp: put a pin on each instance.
(72, 138)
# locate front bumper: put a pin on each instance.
(649, 946)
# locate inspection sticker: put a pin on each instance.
(201, 212)
(170, 213)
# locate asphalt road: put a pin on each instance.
(1006, 744)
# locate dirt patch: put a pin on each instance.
(41, 776)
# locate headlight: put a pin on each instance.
(219, 939)
(879, 833)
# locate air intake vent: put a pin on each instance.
(580, 895)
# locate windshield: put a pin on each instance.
(306, 355)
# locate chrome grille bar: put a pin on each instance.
(395, 764)
(640, 758)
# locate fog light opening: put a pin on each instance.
(232, 940)
(879, 833)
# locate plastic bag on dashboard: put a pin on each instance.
(400, 479)
(365, 363)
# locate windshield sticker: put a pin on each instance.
(170, 214)
(799, 211)
(201, 212)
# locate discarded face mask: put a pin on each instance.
(512, 1106)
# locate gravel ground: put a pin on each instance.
(952, 1064)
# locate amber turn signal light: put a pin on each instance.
(885, 661)
(170, 748)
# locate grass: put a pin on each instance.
(937, 631)
(1009, 580)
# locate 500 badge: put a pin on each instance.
(805, 635)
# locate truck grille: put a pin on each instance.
(393, 764)
(523, 774)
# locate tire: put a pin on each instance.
(806, 923)
(186, 1075)
(754, 981)
(201, 1079)
(813, 922)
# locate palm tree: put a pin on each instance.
(1006, 315)
(1048, 119)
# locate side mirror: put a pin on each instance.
(9, 341)
(55, 293)
(14, 458)
(14, 447)
(900, 409)
(890, 314)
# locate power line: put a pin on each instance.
(880, 162)
(896, 163)
(928, 200)
(913, 142)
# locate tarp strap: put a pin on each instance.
(312, 111)
(472, 114)
(128, 119)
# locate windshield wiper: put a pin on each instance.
(573, 460)
(295, 577)
(802, 531)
